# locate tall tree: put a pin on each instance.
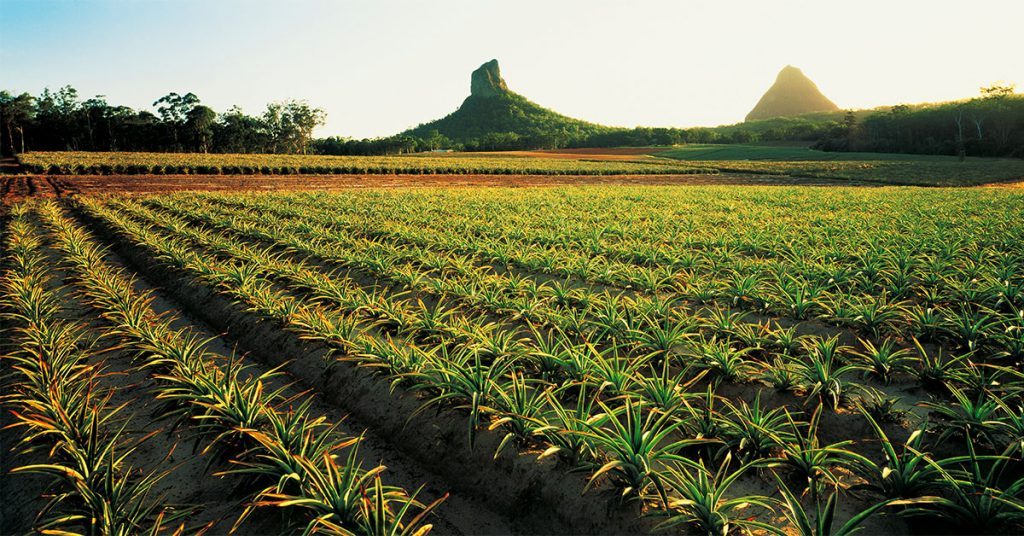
(199, 124)
(237, 132)
(57, 118)
(95, 114)
(173, 109)
(997, 99)
(16, 111)
(290, 125)
(998, 90)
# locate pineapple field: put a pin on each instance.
(607, 359)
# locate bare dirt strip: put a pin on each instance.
(17, 187)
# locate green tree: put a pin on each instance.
(237, 132)
(435, 140)
(16, 111)
(173, 109)
(998, 90)
(996, 99)
(57, 118)
(897, 114)
(290, 125)
(199, 124)
(95, 114)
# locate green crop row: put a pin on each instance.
(772, 360)
(670, 341)
(908, 171)
(68, 163)
(62, 410)
(283, 457)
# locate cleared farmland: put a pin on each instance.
(608, 359)
(714, 160)
(70, 162)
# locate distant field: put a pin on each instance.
(630, 154)
(101, 163)
(716, 151)
(907, 169)
(16, 188)
(783, 161)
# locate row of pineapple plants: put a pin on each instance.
(100, 163)
(292, 459)
(530, 300)
(728, 344)
(65, 417)
(518, 392)
(927, 295)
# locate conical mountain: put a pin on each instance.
(495, 115)
(791, 94)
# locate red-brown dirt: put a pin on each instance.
(18, 187)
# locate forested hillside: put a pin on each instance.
(493, 117)
(992, 125)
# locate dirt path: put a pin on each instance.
(14, 188)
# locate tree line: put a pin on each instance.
(527, 139)
(60, 120)
(990, 125)
(530, 139)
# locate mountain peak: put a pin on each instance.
(791, 94)
(486, 81)
(493, 117)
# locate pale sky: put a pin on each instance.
(379, 67)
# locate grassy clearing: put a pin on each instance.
(923, 170)
(790, 152)
(704, 159)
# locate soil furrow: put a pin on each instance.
(189, 481)
(22, 493)
(513, 484)
(458, 514)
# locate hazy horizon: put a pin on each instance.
(378, 68)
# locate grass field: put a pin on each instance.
(925, 170)
(793, 152)
(786, 161)
(608, 359)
